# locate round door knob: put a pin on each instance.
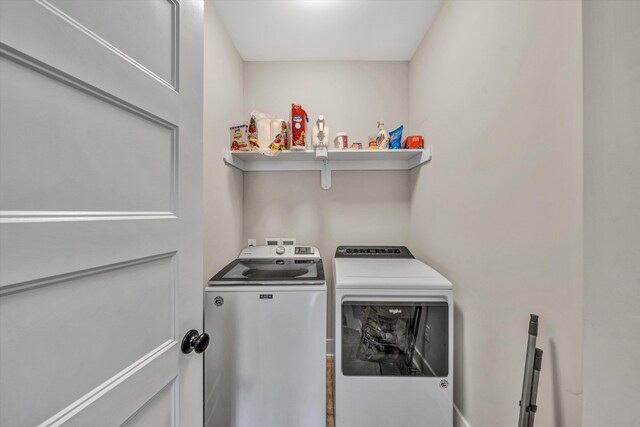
(195, 341)
(280, 250)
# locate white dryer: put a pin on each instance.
(393, 340)
(266, 314)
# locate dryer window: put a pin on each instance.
(395, 339)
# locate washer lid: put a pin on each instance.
(361, 273)
(269, 271)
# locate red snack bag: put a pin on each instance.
(413, 142)
(299, 121)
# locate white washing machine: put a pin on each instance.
(393, 340)
(266, 363)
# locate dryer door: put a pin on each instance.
(394, 358)
(385, 338)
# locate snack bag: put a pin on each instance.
(253, 133)
(413, 142)
(239, 138)
(395, 138)
(299, 122)
(279, 135)
(260, 130)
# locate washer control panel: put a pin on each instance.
(375, 252)
(282, 251)
(304, 250)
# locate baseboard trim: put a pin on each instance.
(458, 419)
(331, 346)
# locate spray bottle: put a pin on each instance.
(383, 137)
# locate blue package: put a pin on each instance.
(395, 138)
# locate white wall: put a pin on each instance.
(352, 95)
(496, 88)
(612, 213)
(223, 88)
(361, 207)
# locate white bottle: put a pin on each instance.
(320, 136)
(382, 140)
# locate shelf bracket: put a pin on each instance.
(325, 175)
(424, 157)
(231, 161)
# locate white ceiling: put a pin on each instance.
(301, 30)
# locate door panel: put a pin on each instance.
(100, 212)
(94, 147)
(119, 315)
(117, 22)
(89, 236)
(37, 29)
(107, 406)
(157, 412)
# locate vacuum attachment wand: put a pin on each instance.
(532, 366)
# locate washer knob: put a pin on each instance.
(280, 250)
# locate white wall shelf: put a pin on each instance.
(353, 160)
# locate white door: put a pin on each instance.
(100, 212)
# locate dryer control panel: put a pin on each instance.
(373, 252)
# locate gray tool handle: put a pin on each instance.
(525, 399)
(537, 367)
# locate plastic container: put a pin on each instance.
(341, 141)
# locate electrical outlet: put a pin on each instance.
(251, 242)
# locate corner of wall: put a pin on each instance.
(458, 419)
(223, 186)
